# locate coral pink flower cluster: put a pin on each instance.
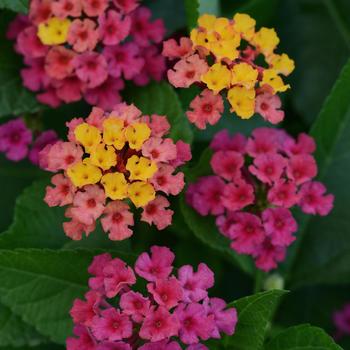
(87, 49)
(110, 161)
(256, 183)
(175, 310)
(16, 141)
(229, 58)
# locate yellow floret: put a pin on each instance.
(199, 38)
(225, 48)
(89, 136)
(83, 173)
(242, 101)
(244, 74)
(141, 168)
(54, 31)
(137, 134)
(103, 156)
(272, 79)
(266, 40)
(141, 193)
(115, 185)
(113, 132)
(244, 24)
(217, 78)
(281, 64)
(207, 21)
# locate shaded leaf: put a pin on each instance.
(324, 245)
(14, 332)
(254, 314)
(15, 5)
(302, 337)
(41, 285)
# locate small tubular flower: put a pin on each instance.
(175, 312)
(257, 182)
(108, 41)
(125, 160)
(234, 62)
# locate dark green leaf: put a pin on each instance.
(254, 314)
(40, 286)
(161, 98)
(313, 36)
(15, 5)
(14, 98)
(40, 347)
(14, 332)
(324, 245)
(192, 12)
(303, 337)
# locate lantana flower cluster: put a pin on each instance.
(173, 311)
(110, 161)
(229, 58)
(16, 141)
(256, 183)
(76, 49)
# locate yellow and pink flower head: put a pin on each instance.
(230, 58)
(110, 161)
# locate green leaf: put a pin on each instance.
(312, 35)
(195, 8)
(41, 285)
(161, 98)
(14, 98)
(324, 242)
(254, 315)
(35, 224)
(14, 332)
(302, 337)
(40, 347)
(14, 5)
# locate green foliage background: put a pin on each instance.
(41, 271)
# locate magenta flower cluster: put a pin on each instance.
(16, 141)
(341, 319)
(256, 183)
(108, 42)
(176, 309)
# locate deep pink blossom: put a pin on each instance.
(15, 139)
(95, 8)
(222, 141)
(195, 284)
(238, 195)
(304, 144)
(280, 225)
(263, 141)
(159, 324)
(143, 30)
(59, 62)
(167, 293)
(113, 28)
(313, 199)
(206, 195)
(45, 138)
(126, 6)
(166, 181)
(341, 319)
(111, 325)
(268, 106)
(96, 270)
(155, 212)
(156, 266)
(29, 45)
(15, 27)
(227, 164)
(161, 345)
(84, 340)
(183, 154)
(66, 8)
(301, 168)
(34, 76)
(135, 305)
(63, 192)
(84, 311)
(283, 193)
(246, 232)
(172, 49)
(195, 324)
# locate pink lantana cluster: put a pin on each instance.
(175, 310)
(76, 49)
(256, 183)
(341, 319)
(110, 161)
(16, 141)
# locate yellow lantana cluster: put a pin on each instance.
(104, 155)
(235, 45)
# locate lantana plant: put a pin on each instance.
(76, 49)
(230, 59)
(110, 161)
(257, 182)
(114, 315)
